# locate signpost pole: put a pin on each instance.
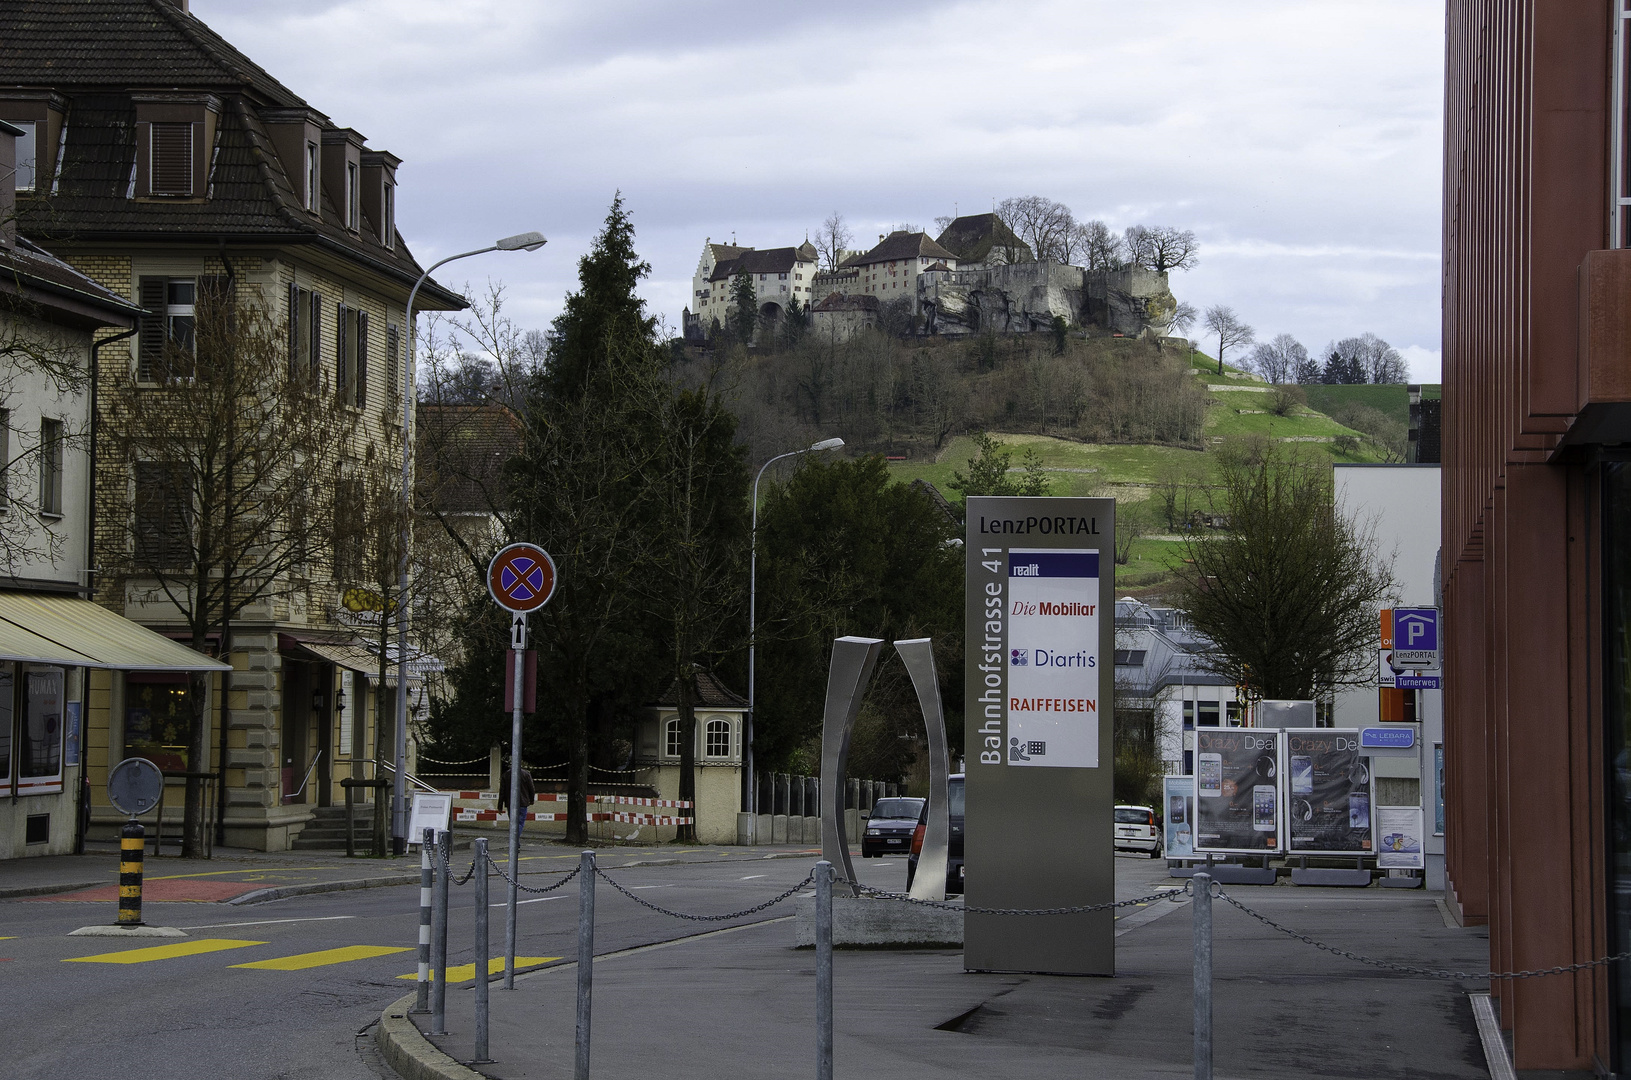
(518, 813)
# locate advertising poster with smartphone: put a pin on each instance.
(1328, 789)
(1179, 808)
(1398, 838)
(1237, 791)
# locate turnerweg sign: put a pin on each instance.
(1038, 724)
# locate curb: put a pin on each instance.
(412, 1055)
(261, 896)
(23, 891)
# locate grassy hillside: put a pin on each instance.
(1239, 405)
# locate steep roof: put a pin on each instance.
(768, 261)
(713, 694)
(721, 252)
(125, 43)
(972, 237)
(95, 53)
(49, 287)
(461, 452)
(903, 245)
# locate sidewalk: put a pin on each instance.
(239, 876)
(740, 1002)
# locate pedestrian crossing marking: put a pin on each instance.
(323, 958)
(495, 966)
(162, 952)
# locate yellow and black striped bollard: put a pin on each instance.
(132, 843)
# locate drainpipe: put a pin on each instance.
(226, 609)
(84, 805)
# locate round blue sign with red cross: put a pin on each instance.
(521, 578)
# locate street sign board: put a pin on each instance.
(1391, 674)
(1039, 681)
(429, 812)
(521, 578)
(1412, 635)
(135, 786)
(1387, 738)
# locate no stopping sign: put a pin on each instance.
(521, 578)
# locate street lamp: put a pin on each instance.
(752, 800)
(527, 241)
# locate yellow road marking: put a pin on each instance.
(218, 873)
(9, 937)
(323, 958)
(162, 952)
(464, 972)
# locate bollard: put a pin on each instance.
(586, 959)
(421, 1002)
(1202, 885)
(350, 818)
(438, 940)
(482, 964)
(132, 845)
(823, 948)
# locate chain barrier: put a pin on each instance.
(809, 879)
(466, 761)
(1406, 969)
(499, 867)
(447, 868)
(881, 894)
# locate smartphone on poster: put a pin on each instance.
(1209, 775)
(1359, 810)
(1302, 774)
(1263, 817)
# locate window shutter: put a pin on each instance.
(362, 359)
(294, 329)
(342, 374)
(171, 159)
(393, 357)
(316, 352)
(150, 348)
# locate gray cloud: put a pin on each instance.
(1300, 141)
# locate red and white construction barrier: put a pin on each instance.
(612, 800)
(628, 819)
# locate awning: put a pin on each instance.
(77, 633)
(356, 657)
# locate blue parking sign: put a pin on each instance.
(1415, 637)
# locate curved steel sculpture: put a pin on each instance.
(929, 883)
(853, 659)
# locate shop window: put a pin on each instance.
(8, 691)
(718, 739)
(158, 714)
(39, 735)
(673, 740)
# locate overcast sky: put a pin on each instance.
(1301, 141)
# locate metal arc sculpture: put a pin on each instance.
(929, 883)
(853, 659)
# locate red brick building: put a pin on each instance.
(1536, 551)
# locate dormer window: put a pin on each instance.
(313, 177)
(387, 227)
(171, 161)
(353, 212)
(26, 171)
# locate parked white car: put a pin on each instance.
(1136, 830)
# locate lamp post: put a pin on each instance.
(751, 802)
(528, 241)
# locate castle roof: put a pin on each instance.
(903, 245)
(972, 237)
(769, 261)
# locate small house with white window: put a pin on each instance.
(718, 754)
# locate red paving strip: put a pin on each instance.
(198, 890)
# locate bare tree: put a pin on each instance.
(235, 456)
(1231, 331)
(1184, 317)
(1380, 361)
(1165, 248)
(1042, 223)
(1278, 360)
(833, 239)
(1097, 247)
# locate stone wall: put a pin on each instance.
(1020, 298)
(1131, 302)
